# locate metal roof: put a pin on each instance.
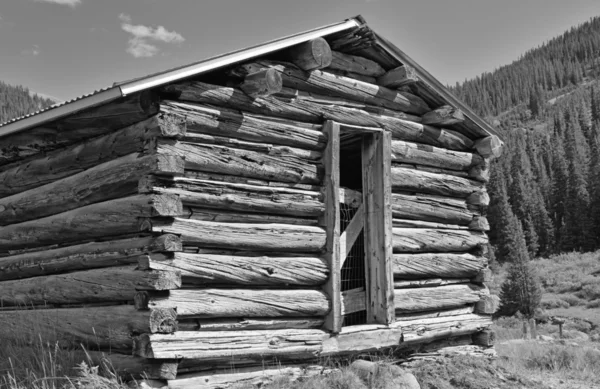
(118, 90)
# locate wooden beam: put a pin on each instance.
(129, 366)
(431, 208)
(109, 180)
(100, 220)
(423, 240)
(350, 234)
(355, 64)
(240, 236)
(421, 154)
(333, 319)
(207, 269)
(235, 303)
(377, 193)
(245, 324)
(410, 180)
(487, 305)
(489, 147)
(112, 284)
(445, 115)
(84, 256)
(314, 54)
(428, 283)
(444, 265)
(354, 300)
(217, 215)
(398, 77)
(264, 82)
(436, 298)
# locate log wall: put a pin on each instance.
(195, 218)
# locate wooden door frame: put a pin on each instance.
(377, 215)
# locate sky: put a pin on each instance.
(66, 48)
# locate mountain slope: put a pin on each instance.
(17, 101)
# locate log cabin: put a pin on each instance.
(245, 216)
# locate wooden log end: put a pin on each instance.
(262, 83)
(159, 280)
(398, 77)
(483, 276)
(479, 223)
(480, 198)
(481, 172)
(149, 102)
(485, 338)
(311, 55)
(166, 205)
(487, 305)
(169, 165)
(142, 346)
(163, 321)
(445, 115)
(489, 147)
(172, 126)
(167, 243)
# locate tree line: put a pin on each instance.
(16, 101)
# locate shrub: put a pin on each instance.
(553, 303)
(572, 300)
(593, 304)
(521, 291)
(590, 291)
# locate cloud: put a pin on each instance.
(70, 3)
(142, 42)
(35, 51)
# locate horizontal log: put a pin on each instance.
(436, 298)
(262, 83)
(207, 269)
(314, 54)
(398, 77)
(111, 327)
(112, 284)
(430, 169)
(220, 216)
(239, 197)
(109, 180)
(227, 160)
(84, 256)
(356, 76)
(489, 147)
(415, 153)
(430, 208)
(75, 128)
(54, 165)
(428, 283)
(355, 64)
(227, 303)
(322, 82)
(484, 275)
(110, 218)
(264, 237)
(487, 305)
(363, 338)
(445, 115)
(129, 366)
(445, 265)
(432, 183)
(485, 338)
(423, 240)
(240, 125)
(479, 223)
(245, 324)
(306, 110)
(213, 345)
(407, 223)
(480, 199)
(248, 181)
(417, 317)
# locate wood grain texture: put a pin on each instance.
(398, 77)
(431, 208)
(107, 181)
(228, 303)
(111, 327)
(445, 115)
(284, 167)
(241, 236)
(129, 366)
(355, 64)
(110, 218)
(84, 256)
(436, 298)
(245, 324)
(112, 284)
(445, 265)
(314, 54)
(264, 82)
(423, 240)
(207, 269)
(431, 183)
(415, 153)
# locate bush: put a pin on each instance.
(572, 300)
(593, 304)
(553, 303)
(590, 291)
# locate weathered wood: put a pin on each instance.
(436, 298)
(487, 305)
(245, 324)
(431, 282)
(356, 76)
(265, 237)
(313, 112)
(264, 82)
(364, 339)
(129, 366)
(398, 77)
(445, 115)
(97, 327)
(377, 193)
(83, 125)
(421, 154)
(239, 197)
(322, 82)
(314, 54)
(354, 300)
(248, 181)
(351, 233)
(485, 338)
(227, 160)
(483, 276)
(355, 64)
(54, 165)
(417, 317)
(240, 125)
(446, 265)
(110, 218)
(211, 303)
(431, 169)
(479, 198)
(96, 285)
(218, 344)
(479, 223)
(207, 269)
(423, 240)
(109, 180)
(431, 183)
(407, 223)
(217, 215)
(481, 172)
(489, 147)
(84, 256)
(431, 208)
(333, 318)
(255, 376)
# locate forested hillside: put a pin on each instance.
(545, 189)
(17, 101)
